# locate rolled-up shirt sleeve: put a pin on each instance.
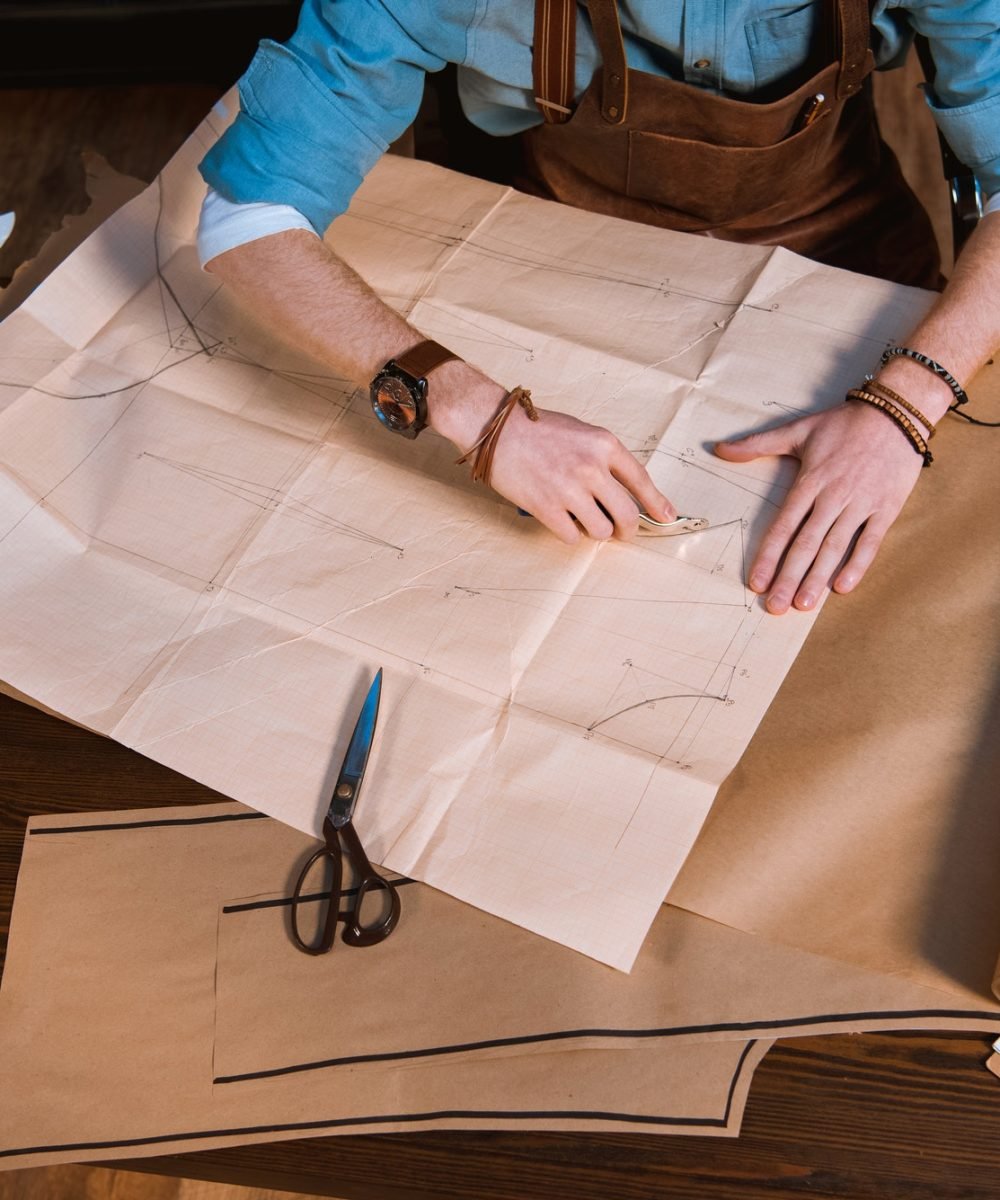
(965, 96)
(318, 111)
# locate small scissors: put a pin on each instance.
(341, 838)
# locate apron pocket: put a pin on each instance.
(716, 185)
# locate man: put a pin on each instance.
(750, 120)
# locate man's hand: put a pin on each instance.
(857, 469)
(552, 468)
(558, 468)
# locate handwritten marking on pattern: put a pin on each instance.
(273, 499)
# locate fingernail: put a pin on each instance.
(777, 604)
(807, 600)
(758, 581)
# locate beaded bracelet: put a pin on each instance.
(931, 365)
(481, 452)
(876, 385)
(913, 434)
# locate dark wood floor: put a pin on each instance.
(96, 1183)
(45, 132)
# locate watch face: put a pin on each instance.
(394, 403)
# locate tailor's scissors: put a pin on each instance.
(341, 838)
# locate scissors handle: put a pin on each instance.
(369, 880)
(324, 941)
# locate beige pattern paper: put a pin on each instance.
(208, 545)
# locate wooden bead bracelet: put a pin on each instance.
(913, 434)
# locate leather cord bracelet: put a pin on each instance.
(481, 452)
(941, 372)
(877, 386)
(913, 434)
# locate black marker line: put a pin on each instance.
(288, 901)
(444, 1114)
(561, 1035)
(734, 1082)
(252, 816)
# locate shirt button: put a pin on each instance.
(702, 63)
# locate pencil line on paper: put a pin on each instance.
(650, 701)
(475, 591)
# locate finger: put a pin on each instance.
(619, 505)
(800, 557)
(559, 522)
(785, 439)
(595, 521)
(833, 553)
(633, 476)
(861, 557)
(797, 506)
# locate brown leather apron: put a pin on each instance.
(665, 153)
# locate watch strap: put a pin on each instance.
(422, 358)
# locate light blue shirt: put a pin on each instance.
(318, 111)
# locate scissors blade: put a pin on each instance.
(345, 792)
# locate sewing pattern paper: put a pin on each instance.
(208, 545)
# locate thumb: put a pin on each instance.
(783, 439)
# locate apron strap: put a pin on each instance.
(608, 35)
(553, 59)
(854, 32)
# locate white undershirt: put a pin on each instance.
(225, 225)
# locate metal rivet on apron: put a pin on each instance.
(616, 79)
(702, 63)
(612, 111)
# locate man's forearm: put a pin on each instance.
(961, 331)
(564, 471)
(312, 299)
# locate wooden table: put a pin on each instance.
(873, 1115)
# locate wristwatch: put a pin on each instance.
(399, 390)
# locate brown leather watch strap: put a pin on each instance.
(422, 358)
